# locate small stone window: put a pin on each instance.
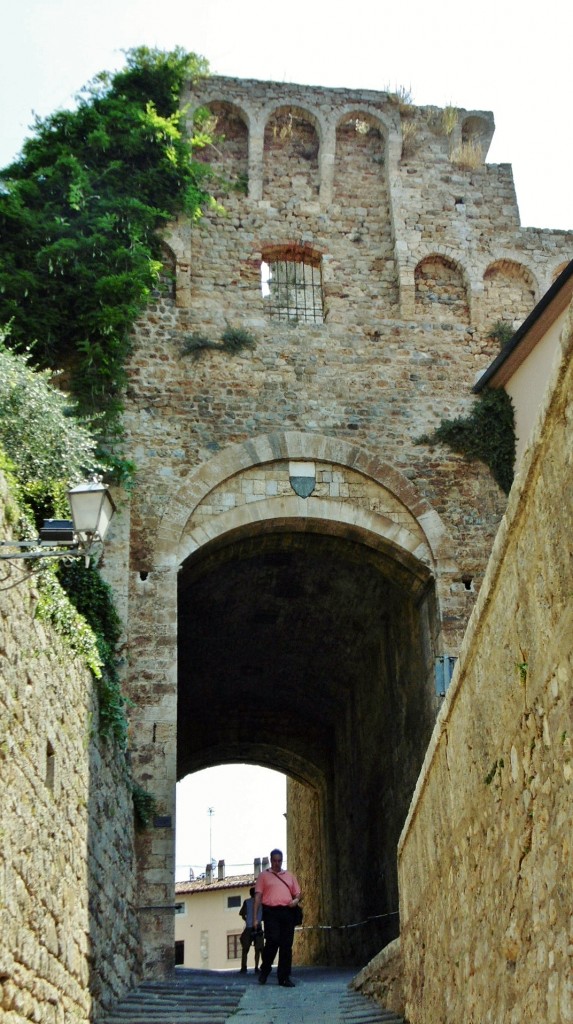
(50, 767)
(291, 282)
(233, 901)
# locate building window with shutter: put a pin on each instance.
(234, 946)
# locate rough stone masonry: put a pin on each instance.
(368, 251)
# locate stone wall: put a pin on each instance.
(485, 858)
(68, 931)
(418, 254)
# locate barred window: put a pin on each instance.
(291, 282)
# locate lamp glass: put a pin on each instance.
(92, 508)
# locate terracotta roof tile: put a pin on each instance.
(202, 885)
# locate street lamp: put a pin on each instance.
(92, 509)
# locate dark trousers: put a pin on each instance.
(279, 935)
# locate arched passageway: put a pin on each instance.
(311, 652)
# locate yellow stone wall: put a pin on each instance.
(485, 859)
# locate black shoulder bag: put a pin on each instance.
(298, 912)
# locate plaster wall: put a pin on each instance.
(485, 862)
(530, 380)
(206, 922)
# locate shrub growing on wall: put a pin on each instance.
(48, 448)
(488, 433)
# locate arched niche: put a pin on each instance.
(360, 157)
(228, 153)
(509, 292)
(441, 290)
(291, 157)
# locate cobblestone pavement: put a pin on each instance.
(321, 996)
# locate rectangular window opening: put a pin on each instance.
(234, 946)
(292, 290)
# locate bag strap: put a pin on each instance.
(284, 883)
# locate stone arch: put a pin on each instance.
(228, 153)
(328, 605)
(441, 290)
(293, 445)
(510, 292)
(292, 139)
(360, 159)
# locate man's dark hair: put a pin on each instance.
(280, 853)
(252, 890)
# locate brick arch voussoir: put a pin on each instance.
(317, 515)
(299, 446)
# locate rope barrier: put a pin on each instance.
(357, 924)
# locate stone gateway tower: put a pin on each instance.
(293, 561)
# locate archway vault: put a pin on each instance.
(305, 642)
(307, 629)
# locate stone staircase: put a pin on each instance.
(203, 997)
(178, 1001)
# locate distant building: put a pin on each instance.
(208, 925)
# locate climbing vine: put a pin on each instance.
(488, 434)
(81, 214)
(92, 598)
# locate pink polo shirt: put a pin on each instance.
(275, 893)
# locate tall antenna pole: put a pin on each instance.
(210, 812)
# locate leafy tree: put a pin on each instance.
(38, 428)
(81, 213)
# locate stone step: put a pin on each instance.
(358, 1009)
(198, 999)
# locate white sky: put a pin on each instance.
(249, 804)
(500, 55)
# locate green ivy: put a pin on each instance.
(93, 599)
(81, 216)
(488, 434)
(54, 607)
(144, 806)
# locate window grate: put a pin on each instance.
(292, 290)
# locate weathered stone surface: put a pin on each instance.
(417, 258)
(485, 860)
(68, 931)
(383, 978)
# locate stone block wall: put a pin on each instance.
(417, 254)
(68, 930)
(485, 858)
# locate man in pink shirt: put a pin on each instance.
(279, 893)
